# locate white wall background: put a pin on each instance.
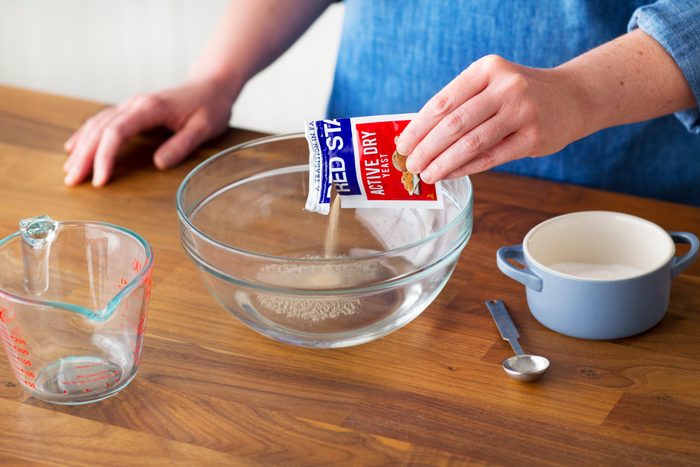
(108, 50)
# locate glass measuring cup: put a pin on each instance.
(73, 301)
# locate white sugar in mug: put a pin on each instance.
(598, 274)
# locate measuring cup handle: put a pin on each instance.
(525, 276)
(679, 263)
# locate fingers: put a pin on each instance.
(477, 142)
(79, 163)
(182, 143)
(468, 84)
(495, 111)
(195, 111)
(506, 150)
(124, 125)
(96, 144)
(451, 128)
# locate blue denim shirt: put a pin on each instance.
(394, 55)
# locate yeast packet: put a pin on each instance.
(358, 157)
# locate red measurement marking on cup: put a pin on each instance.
(142, 327)
(126, 321)
(148, 283)
(16, 348)
(19, 368)
(18, 340)
(29, 374)
(91, 376)
(88, 365)
(23, 375)
(7, 315)
(20, 350)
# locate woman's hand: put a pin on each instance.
(195, 111)
(495, 111)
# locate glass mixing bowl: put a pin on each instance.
(243, 223)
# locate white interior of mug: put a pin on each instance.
(599, 245)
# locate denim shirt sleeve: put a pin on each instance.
(675, 24)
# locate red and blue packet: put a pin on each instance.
(358, 157)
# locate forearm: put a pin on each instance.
(627, 80)
(250, 35)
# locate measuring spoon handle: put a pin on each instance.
(504, 324)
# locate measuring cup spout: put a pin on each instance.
(37, 235)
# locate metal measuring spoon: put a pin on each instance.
(521, 366)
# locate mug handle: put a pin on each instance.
(679, 263)
(525, 276)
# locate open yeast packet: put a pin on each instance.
(358, 156)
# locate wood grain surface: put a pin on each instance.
(211, 391)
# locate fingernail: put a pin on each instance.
(69, 179)
(401, 147)
(72, 178)
(411, 166)
(99, 180)
(163, 160)
(426, 177)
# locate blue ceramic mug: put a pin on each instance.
(598, 274)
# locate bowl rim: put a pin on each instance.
(274, 138)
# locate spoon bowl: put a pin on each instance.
(525, 367)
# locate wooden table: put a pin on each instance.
(211, 391)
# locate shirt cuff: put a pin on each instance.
(675, 24)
